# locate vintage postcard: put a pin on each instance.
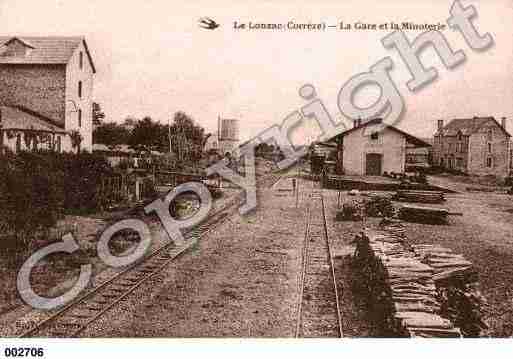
(255, 169)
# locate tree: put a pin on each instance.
(148, 135)
(187, 138)
(130, 122)
(98, 114)
(111, 134)
(76, 140)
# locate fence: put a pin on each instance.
(125, 187)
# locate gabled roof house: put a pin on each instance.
(46, 88)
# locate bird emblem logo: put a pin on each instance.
(208, 23)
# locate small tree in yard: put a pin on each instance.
(111, 134)
(147, 136)
(187, 138)
(76, 140)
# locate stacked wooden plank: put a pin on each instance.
(456, 282)
(351, 211)
(414, 213)
(400, 289)
(419, 196)
(377, 205)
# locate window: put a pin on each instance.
(81, 60)
(489, 147)
(79, 118)
(374, 136)
(18, 143)
(489, 162)
(58, 143)
(79, 89)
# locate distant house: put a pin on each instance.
(118, 154)
(46, 86)
(372, 148)
(418, 157)
(212, 143)
(322, 156)
(124, 153)
(478, 145)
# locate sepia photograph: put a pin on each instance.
(286, 170)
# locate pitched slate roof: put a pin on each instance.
(44, 50)
(467, 126)
(378, 121)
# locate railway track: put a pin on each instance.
(72, 319)
(318, 313)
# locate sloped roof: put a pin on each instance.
(467, 126)
(24, 42)
(377, 121)
(17, 117)
(44, 50)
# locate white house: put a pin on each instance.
(372, 148)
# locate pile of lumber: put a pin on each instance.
(456, 281)
(377, 205)
(419, 196)
(400, 290)
(351, 211)
(394, 227)
(414, 213)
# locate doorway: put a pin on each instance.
(373, 163)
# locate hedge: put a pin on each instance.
(37, 187)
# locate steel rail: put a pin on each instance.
(227, 207)
(332, 268)
(304, 266)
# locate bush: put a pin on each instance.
(32, 197)
(37, 187)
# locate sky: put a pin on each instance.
(153, 59)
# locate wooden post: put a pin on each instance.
(1, 134)
(137, 190)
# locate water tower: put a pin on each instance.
(228, 132)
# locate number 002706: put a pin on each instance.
(23, 352)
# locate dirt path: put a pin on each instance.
(241, 281)
(57, 280)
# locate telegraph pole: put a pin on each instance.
(169, 133)
(1, 134)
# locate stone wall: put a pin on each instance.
(40, 88)
(479, 153)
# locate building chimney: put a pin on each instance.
(440, 125)
(503, 122)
